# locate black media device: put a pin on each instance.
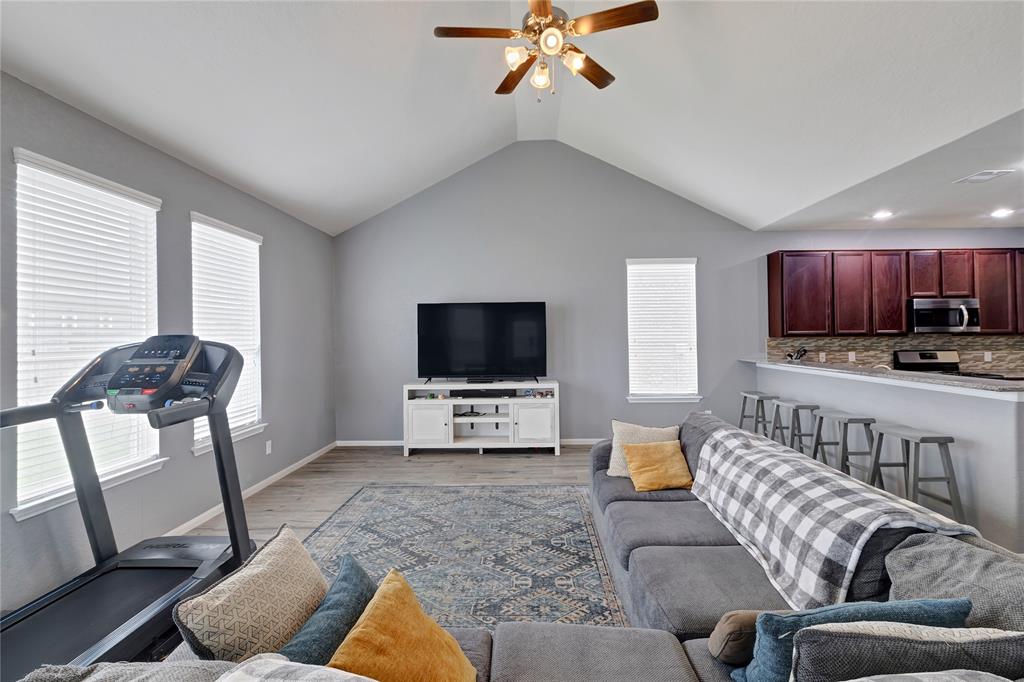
(482, 341)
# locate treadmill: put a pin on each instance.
(120, 610)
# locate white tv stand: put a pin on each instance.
(440, 423)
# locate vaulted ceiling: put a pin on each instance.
(770, 113)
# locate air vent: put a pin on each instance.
(983, 176)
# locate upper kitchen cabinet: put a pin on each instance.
(888, 292)
(925, 273)
(957, 273)
(800, 293)
(851, 278)
(995, 287)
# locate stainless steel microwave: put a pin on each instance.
(945, 315)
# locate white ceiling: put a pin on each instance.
(334, 111)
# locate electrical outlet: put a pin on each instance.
(268, 447)
(988, 356)
(821, 357)
(851, 356)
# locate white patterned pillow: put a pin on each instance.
(277, 668)
(258, 607)
(624, 433)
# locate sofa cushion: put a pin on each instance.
(929, 565)
(476, 644)
(181, 671)
(600, 455)
(257, 608)
(534, 652)
(685, 590)
(707, 667)
(694, 430)
(870, 581)
(845, 651)
(773, 646)
(678, 524)
(608, 489)
(624, 433)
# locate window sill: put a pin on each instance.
(205, 446)
(687, 398)
(51, 502)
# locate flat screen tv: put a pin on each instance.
(482, 341)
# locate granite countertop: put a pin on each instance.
(912, 377)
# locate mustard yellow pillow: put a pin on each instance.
(395, 641)
(657, 466)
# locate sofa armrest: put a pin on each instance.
(600, 455)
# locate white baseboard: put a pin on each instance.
(250, 491)
(391, 443)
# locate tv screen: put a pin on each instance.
(492, 340)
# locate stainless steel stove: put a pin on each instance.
(940, 362)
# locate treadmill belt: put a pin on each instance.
(67, 627)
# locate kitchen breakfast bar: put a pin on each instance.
(985, 416)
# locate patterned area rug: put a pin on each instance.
(479, 555)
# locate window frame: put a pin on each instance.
(673, 397)
(204, 445)
(151, 461)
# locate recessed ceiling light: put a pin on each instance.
(884, 214)
(1002, 213)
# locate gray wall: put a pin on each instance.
(296, 267)
(543, 221)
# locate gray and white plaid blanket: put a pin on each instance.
(803, 521)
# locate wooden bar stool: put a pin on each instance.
(758, 415)
(795, 429)
(842, 421)
(912, 464)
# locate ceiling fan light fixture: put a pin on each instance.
(541, 78)
(514, 56)
(573, 60)
(551, 41)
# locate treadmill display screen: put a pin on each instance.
(168, 346)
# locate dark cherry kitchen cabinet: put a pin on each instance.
(958, 273)
(1020, 291)
(800, 293)
(925, 271)
(851, 293)
(889, 292)
(995, 287)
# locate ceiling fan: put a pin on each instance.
(548, 28)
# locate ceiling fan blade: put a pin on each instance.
(540, 8)
(596, 74)
(627, 15)
(513, 77)
(472, 32)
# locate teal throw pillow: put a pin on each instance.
(773, 644)
(317, 640)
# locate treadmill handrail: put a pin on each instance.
(26, 414)
(178, 413)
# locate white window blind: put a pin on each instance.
(662, 312)
(226, 308)
(86, 281)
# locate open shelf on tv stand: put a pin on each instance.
(522, 414)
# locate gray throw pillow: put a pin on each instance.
(944, 676)
(936, 566)
(624, 433)
(181, 671)
(845, 651)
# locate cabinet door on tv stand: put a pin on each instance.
(429, 424)
(534, 424)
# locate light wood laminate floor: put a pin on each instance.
(305, 498)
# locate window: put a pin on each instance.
(662, 312)
(226, 308)
(86, 281)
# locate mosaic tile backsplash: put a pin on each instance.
(1007, 351)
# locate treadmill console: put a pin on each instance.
(153, 374)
